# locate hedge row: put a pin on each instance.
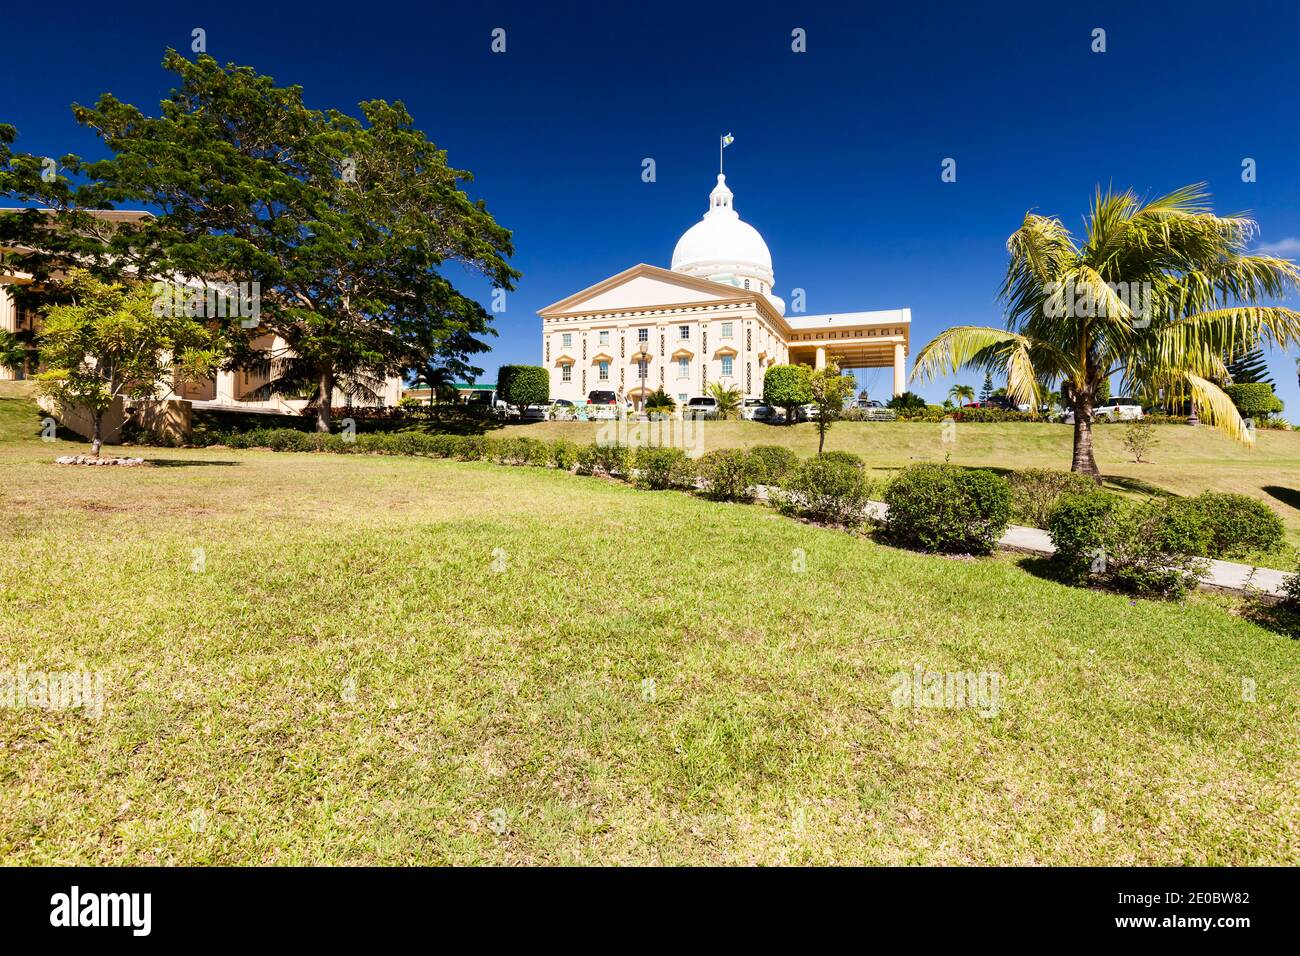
(1159, 546)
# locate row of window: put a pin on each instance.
(643, 335)
(643, 370)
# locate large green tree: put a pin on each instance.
(1155, 292)
(345, 224)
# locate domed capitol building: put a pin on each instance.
(713, 317)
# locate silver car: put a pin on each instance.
(757, 410)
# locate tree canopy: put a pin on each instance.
(345, 224)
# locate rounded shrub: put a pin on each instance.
(847, 457)
(1078, 524)
(1238, 524)
(660, 468)
(772, 463)
(948, 509)
(1035, 491)
(729, 474)
(1150, 547)
(833, 491)
(564, 454)
(1254, 399)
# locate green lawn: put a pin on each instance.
(349, 680)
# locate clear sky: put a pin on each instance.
(837, 153)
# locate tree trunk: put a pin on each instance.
(97, 434)
(1084, 462)
(821, 434)
(324, 399)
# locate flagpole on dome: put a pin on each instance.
(723, 143)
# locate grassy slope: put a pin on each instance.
(226, 737)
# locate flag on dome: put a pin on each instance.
(728, 140)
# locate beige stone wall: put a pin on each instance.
(79, 421)
(167, 421)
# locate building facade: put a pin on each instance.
(712, 317)
(243, 389)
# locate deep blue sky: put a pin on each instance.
(837, 153)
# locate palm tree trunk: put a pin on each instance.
(326, 396)
(1084, 462)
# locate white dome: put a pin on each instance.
(724, 248)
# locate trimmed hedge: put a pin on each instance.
(822, 489)
(1254, 399)
(1035, 491)
(730, 474)
(772, 463)
(661, 468)
(948, 509)
(1152, 548)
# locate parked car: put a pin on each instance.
(1120, 410)
(701, 406)
(563, 401)
(862, 404)
(757, 410)
(533, 413)
(601, 398)
(805, 413)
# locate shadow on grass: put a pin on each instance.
(1043, 568)
(186, 462)
(1288, 496)
(1136, 486)
(1275, 617)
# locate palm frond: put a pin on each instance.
(1218, 410)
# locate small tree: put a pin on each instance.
(987, 390)
(788, 387)
(728, 399)
(108, 344)
(830, 390)
(1139, 438)
(524, 385)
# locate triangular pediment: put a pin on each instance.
(645, 287)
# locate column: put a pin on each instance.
(226, 388)
(821, 359)
(900, 380)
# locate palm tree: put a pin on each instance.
(962, 393)
(659, 403)
(1156, 293)
(728, 399)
